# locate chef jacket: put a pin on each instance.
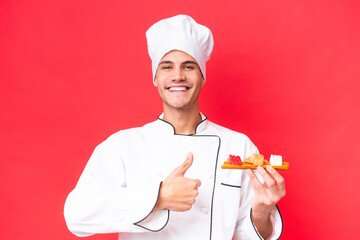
(120, 184)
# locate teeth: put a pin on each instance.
(177, 88)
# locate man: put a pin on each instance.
(137, 182)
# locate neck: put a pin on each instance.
(184, 121)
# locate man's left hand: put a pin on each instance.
(267, 195)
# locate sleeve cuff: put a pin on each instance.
(148, 219)
(276, 220)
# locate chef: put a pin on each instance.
(164, 180)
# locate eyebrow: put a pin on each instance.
(190, 62)
(165, 62)
(170, 62)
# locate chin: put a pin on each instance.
(178, 106)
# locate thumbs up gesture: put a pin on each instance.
(177, 193)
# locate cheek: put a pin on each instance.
(160, 80)
(201, 82)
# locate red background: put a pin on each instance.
(286, 73)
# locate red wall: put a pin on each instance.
(286, 73)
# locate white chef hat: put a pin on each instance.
(179, 33)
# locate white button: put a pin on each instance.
(204, 211)
(210, 176)
(214, 140)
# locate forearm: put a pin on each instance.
(263, 225)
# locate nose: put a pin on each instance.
(179, 75)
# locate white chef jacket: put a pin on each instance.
(120, 185)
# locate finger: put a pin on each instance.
(198, 182)
(275, 175)
(181, 170)
(270, 182)
(255, 182)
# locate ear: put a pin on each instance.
(155, 82)
(203, 82)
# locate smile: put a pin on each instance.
(173, 89)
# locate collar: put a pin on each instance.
(168, 127)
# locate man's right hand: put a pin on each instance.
(177, 193)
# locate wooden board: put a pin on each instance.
(227, 165)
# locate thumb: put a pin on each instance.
(181, 170)
(255, 182)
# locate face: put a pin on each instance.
(179, 80)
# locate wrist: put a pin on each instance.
(158, 200)
(260, 216)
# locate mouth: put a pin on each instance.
(178, 89)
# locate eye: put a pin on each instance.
(189, 67)
(165, 67)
